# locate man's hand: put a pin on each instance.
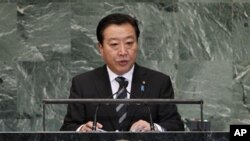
(140, 126)
(87, 127)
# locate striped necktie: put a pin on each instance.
(121, 94)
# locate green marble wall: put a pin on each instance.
(202, 44)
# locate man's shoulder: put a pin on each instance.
(89, 74)
(152, 72)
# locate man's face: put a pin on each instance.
(119, 47)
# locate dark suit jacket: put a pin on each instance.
(96, 84)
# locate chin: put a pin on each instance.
(122, 71)
(125, 71)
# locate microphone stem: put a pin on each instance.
(95, 118)
(150, 118)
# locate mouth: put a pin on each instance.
(123, 62)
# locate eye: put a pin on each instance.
(129, 44)
(114, 45)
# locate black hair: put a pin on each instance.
(118, 19)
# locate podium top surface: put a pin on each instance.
(114, 101)
(114, 136)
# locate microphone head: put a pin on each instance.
(125, 84)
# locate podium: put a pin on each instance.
(115, 136)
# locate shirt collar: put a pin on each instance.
(127, 75)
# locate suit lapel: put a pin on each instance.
(103, 87)
(137, 81)
(102, 83)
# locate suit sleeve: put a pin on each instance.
(75, 112)
(169, 118)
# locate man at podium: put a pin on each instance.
(121, 77)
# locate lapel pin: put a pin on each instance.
(143, 86)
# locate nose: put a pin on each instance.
(123, 50)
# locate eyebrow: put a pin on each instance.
(128, 37)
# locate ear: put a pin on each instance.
(100, 48)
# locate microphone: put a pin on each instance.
(97, 108)
(95, 118)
